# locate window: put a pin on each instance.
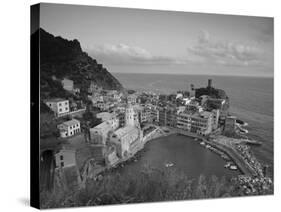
(62, 164)
(66, 108)
(59, 104)
(60, 109)
(61, 157)
(65, 103)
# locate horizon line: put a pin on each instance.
(215, 75)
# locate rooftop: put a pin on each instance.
(138, 107)
(124, 130)
(105, 116)
(103, 125)
(68, 81)
(71, 122)
(205, 113)
(56, 100)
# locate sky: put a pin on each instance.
(166, 42)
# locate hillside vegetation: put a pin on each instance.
(61, 58)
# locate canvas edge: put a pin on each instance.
(34, 106)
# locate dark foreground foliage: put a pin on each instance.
(148, 185)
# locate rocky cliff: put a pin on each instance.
(60, 58)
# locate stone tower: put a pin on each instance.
(192, 91)
(209, 83)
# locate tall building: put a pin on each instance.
(144, 113)
(209, 83)
(171, 115)
(59, 106)
(167, 116)
(162, 116)
(154, 113)
(69, 128)
(131, 116)
(65, 158)
(229, 126)
(196, 122)
(121, 117)
(216, 116)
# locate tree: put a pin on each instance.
(48, 125)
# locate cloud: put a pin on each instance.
(125, 54)
(226, 53)
(264, 30)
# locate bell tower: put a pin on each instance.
(131, 117)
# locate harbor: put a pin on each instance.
(180, 153)
(231, 159)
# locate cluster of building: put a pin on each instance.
(109, 142)
(200, 115)
(120, 135)
(105, 100)
(126, 137)
(63, 107)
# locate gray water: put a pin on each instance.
(187, 155)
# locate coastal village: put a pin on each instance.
(129, 119)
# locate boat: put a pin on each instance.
(227, 165)
(253, 142)
(225, 157)
(169, 164)
(242, 130)
(242, 123)
(233, 167)
(202, 143)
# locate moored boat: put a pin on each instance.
(233, 167)
(169, 164)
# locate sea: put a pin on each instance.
(251, 100)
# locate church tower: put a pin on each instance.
(131, 117)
